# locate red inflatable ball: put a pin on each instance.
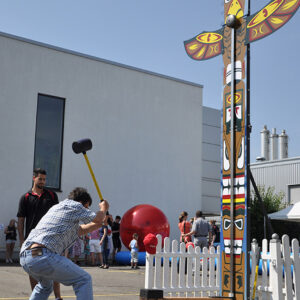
(143, 219)
(188, 244)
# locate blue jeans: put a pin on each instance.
(105, 251)
(51, 267)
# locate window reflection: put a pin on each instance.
(49, 138)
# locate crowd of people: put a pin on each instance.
(99, 247)
(204, 233)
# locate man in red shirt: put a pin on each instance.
(33, 206)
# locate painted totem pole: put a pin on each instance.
(231, 42)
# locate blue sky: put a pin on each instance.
(150, 34)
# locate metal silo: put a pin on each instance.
(274, 144)
(283, 145)
(264, 136)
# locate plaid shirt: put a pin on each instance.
(58, 229)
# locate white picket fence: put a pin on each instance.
(182, 273)
(192, 273)
(280, 278)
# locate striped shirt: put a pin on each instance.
(95, 235)
(58, 229)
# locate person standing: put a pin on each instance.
(215, 232)
(134, 251)
(57, 230)
(104, 244)
(77, 250)
(11, 237)
(184, 227)
(87, 253)
(201, 230)
(115, 227)
(95, 248)
(33, 206)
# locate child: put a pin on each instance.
(133, 246)
(77, 250)
(87, 255)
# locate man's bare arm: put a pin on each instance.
(21, 222)
(104, 236)
(95, 224)
(98, 220)
(190, 233)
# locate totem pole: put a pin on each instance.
(232, 41)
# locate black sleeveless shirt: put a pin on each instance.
(11, 235)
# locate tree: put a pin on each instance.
(272, 202)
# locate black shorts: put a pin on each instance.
(116, 243)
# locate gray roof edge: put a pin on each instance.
(212, 108)
(276, 162)
(26, 40)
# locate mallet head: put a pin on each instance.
(82, 146)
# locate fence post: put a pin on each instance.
(174, 266)
(189, 268)
(218, 270)
(287, 263)
(264, 268)
(158, 268)
(204, 271)
(166, 264)
(149, 271)
(276, 268)
(197, 269)
(182, 266)
(296, 270)
(255, 263)
(148, 293)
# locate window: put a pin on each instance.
(49, 138)
(294, 193)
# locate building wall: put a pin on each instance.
(211, 156)
(146, 130)
(283, 175)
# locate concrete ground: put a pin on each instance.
(117, 282)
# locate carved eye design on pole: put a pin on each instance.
(239, 223)
(227, 223)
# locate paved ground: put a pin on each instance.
(117, 282)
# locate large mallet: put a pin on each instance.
(82, 146)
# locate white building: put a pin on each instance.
(282, 174)
(274, 169)
(149, 142)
